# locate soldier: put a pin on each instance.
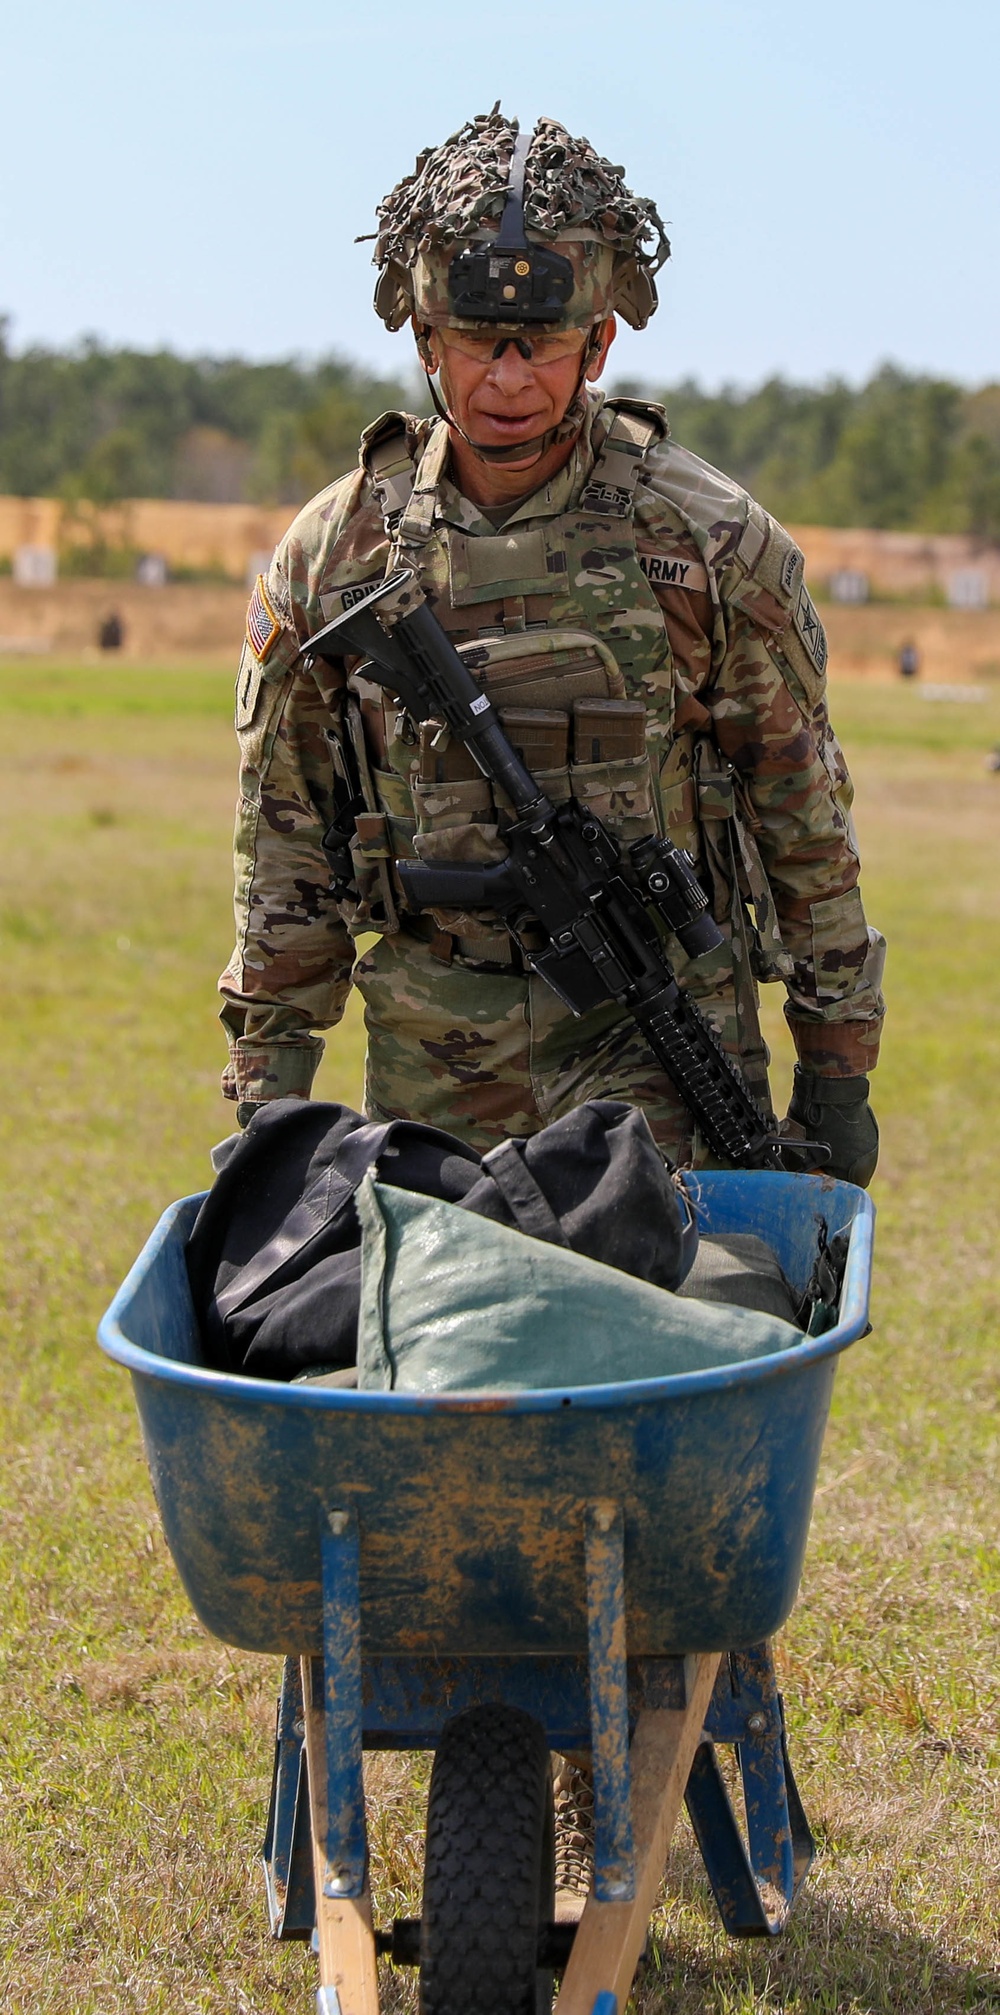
(643, 628)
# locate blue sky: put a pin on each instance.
(194, 174)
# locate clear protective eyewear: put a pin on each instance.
(537, 348)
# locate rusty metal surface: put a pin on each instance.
(346, 1841)
(718, 1492)
(614, 1849)
(406, 1702)
(755, 1873)
(471, 1515)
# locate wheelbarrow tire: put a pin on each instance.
(489, 1867)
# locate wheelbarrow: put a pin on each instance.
(594, 1569)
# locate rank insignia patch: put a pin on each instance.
(263, 627)
(248, 686)
(811, 630)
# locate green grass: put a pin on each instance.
(134, 1751)
(71, 693)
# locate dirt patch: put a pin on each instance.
(181, 620)
(954, 646)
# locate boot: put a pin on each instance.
(573, 1787)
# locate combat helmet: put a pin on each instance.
(499, 231)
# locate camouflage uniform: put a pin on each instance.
(697, 598)
(645, 632)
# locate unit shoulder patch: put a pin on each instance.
(263, 626)
(810, 629)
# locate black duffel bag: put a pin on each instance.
(274, 1257)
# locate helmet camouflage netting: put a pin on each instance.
(572, 196)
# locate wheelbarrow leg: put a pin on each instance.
(610, 1936)
(287, 1855)
(632, 1834)
(614, 1847)
(755, 1884)
(332, 1713)
(781, 1845)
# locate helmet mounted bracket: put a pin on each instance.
(508, 279)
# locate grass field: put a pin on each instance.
(134, 1751)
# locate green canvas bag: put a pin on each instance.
(451, 1302)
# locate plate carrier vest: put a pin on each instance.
(558, 620)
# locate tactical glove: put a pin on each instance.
(835, 1110)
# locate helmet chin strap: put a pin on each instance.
(565, 429)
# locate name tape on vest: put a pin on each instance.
(337, 601)
(349, 597)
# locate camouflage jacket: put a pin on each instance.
(700, 597)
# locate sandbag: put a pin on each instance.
(449, 1304)
(738, 1270)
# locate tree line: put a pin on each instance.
(97, 424)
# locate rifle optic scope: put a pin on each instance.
(667, 875)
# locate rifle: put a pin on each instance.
(599, 909)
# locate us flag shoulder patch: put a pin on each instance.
(263, 627)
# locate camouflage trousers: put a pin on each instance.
(485, 1055)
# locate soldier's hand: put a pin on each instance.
(835, 1110)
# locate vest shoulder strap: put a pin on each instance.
(387, 457)
(645, 411)
(637, 425)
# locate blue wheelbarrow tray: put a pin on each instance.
(587, 1553)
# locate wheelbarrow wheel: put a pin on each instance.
(489, 1868)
